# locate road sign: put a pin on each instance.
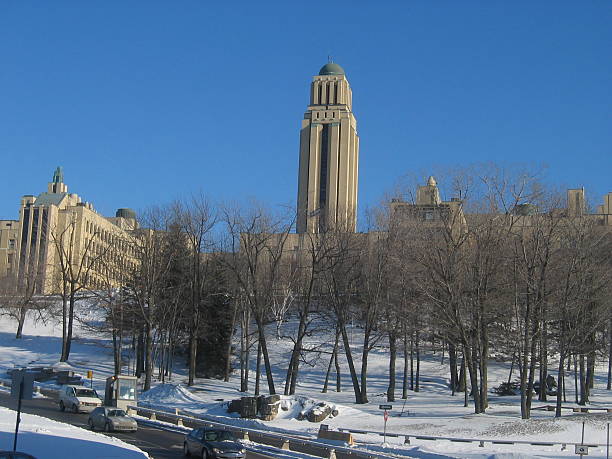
(385, 407)
(25, 392)
(21, 388)
(89, 374)
(386, 415)
(583, 450)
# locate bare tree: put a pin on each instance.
(18, 298)
(255, 245)
(155, 255)
(196, 219)
(76, 259)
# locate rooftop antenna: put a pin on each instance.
(329, 59)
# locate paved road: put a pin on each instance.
(159, 444)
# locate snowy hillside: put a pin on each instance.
(432, 411)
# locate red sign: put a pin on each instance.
(386, 415)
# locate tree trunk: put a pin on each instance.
(193, 349)
(68, 346)
(22, 317)
(245, 346)
(576, 391)
(405, 376)
(294, 363)
(532, 370)
(484, 370)
(452, 361)
(583, 382)
(417, 383)
(392, 357)
(338, 373)
(472, 365)
(140, 355)
(331, 362)
(148, 357)
(228, 349)
(64, 324)
(411, 362)
(258, 369)
(266, 357)
(364, 366)
(560, 382)
(116, 352)
(351, 364)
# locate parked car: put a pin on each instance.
(212, 443)
(15, 455)
(78, 398)
(111, 419)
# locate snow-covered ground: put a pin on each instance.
(432, 411)
(44, 438)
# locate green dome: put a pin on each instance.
(331, 69)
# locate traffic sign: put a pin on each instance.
(583, 450)
(19, 391)
(386, 415)
(385, 407)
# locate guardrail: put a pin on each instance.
(481, 441)
(290, 443)
(575, 409)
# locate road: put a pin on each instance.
(159, 444)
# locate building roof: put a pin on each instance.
(47, 199)
(331, 68)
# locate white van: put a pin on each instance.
(78, 399)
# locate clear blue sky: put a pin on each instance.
(145, 101)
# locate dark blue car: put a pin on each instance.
(212, 443)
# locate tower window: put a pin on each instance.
(323, 173)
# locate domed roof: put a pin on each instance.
(125, 213)
(331, 68)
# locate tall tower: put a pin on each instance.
(329, 155)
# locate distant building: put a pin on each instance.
(329, 155)
(577, 206)
(429, 208)
(604, 211)
(56, 226)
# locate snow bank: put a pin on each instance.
(49, 439)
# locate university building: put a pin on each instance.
(57, 228)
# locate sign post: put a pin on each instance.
(582, 449)
(386, 409)
(22, 386)
(90, 377)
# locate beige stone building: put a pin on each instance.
(57, 227)
(429, 208)
(329, 155)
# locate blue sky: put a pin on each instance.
(142, 102)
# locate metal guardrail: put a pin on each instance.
(481, 441)
(311, 447)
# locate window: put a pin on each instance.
(11, 244)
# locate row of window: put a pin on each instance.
(109, 238)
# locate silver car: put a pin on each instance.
(111, 419)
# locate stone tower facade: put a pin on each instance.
(329, 155)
